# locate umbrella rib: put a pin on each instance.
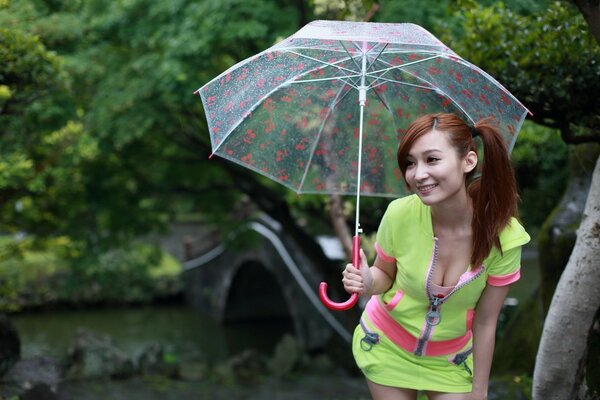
(377, 56)
(431, 86)
(341, 78)
(350, 55)
(323, 62)
(384, 71)
(387, 80)
(354, 82)
(446, 95)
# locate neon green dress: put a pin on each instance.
(409, 338)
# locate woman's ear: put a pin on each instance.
(470, 161)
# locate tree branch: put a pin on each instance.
(590, 9)
(570, 138)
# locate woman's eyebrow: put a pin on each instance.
(426, 152)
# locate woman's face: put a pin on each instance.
(434, 170)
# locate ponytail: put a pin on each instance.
(494, 193)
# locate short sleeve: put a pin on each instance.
(506, 268)
(384, 240)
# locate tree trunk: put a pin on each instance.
(590, 9)
(561, 356)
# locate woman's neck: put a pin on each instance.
(455, 216)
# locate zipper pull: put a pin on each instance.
(433, 316)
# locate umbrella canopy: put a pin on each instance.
(324, 110)
(292, 112)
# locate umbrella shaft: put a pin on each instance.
(362, 101)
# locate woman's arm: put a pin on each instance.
(368, 281)
(484, 336)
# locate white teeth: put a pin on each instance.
(427, 187)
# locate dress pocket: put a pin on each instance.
(394, 300)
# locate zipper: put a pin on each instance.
(370, 338)
(434, 316)
(461, 358)
(426, 334)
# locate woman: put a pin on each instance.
(446, 256)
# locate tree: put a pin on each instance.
(38, 142)
(133, 67)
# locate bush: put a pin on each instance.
(135, 274)
(540, 158)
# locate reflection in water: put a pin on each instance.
(184, 332)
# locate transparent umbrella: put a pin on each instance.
(323, 111)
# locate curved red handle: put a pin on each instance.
(348, 304)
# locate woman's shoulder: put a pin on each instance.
(513, 235)
(405, 205)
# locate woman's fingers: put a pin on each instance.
(352, 279)
(363, 259)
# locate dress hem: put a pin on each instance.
(413, 386)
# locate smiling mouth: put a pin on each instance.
(427, 188)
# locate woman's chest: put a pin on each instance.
(453, 259)
(435, 261)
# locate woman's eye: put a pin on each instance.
(409, 164)
(432, 159)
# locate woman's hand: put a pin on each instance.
(358, 280)
(476, 396)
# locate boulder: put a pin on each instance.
(152, 361)
(93, 356)
(34, 375)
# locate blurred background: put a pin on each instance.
(132, 266)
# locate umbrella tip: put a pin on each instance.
(196, 91)
(211, 155)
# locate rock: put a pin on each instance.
(10, 345)
(152, 361)
(41, 372)
(248, 367)
(193, 371)
(40, 391)
(322, 364)
(94, 356)
(288, 355)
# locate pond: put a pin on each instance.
(185, 333)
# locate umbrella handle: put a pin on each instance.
(348, 304)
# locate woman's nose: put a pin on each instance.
(421, 172)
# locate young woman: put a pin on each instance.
(446, 256)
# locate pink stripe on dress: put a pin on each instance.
(503, 280)
(403, 339)
(383, 255)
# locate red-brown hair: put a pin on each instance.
(493, 192)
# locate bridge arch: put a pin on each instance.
(255, 294)
(227, 273)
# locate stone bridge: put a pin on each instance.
(259, 272)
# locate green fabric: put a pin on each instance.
(406, 234)
(389, 365)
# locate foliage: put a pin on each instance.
(138, 273)
(104, 141)
(548, 60)
(540, 159)
(36, 140)
(133, 66)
